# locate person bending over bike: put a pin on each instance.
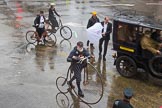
(77, 54)
(39, 23)
(52, 18)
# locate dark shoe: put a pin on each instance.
(104, 59)
(70, 85)
(80, 93)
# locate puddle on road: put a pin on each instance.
(45, 54)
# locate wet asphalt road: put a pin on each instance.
(27, 78)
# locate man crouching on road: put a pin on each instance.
(74, 57)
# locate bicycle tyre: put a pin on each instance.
(90, 94)
(31, 37)
(59, 81)
(51, 41)
(66, 32)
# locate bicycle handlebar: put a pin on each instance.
(83, 59)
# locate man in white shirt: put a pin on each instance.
(39, 22)
(107, 29)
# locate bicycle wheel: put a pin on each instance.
(62, 100)
(155, 65)
(50, 40)
(31, 36)
(61, 84)
(65, 32)
(93, 88)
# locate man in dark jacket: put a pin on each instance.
(91, 22)
(125, 103)
(76, 55)
(39, 23)
(52, 18)
(107, 29)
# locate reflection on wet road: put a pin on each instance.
(28, 72)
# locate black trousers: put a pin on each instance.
(77, 69)
(40, 31)
(106, 41)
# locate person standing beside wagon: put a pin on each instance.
(94, 19)
(107, 29)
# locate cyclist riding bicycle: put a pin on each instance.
(39, 24)
(52, 14)
(74, 57)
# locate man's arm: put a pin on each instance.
(86, 53)
(36, 23)
(145, 44)
(69, 58)
(109, 29)
(56, 13)
(72, 57)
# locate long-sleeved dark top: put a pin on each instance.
(52, 13)
(108, 30)
(76, 53)
(92, 21)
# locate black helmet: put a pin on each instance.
(80, 44)
(128, 93)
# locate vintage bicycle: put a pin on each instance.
(32, 37)
(65, 31)
(92, 83)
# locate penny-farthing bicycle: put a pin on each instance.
(92, 83)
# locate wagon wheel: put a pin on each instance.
(155, 65)
(126, 66)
